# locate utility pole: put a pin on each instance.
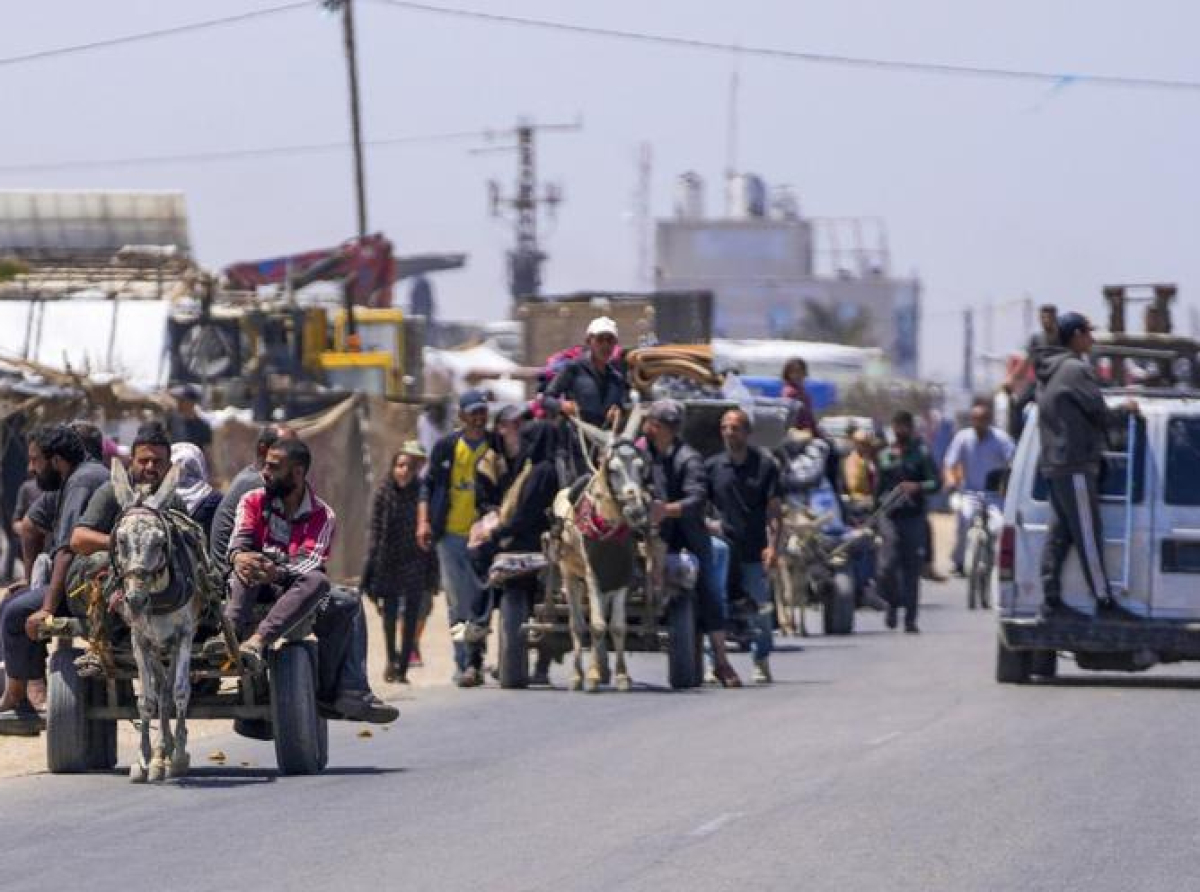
(346, 7)
(643, 218)
(526, 257)
(968, 374)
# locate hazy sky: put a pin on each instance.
(992, 190)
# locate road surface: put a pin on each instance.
(878, 761)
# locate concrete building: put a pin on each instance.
(777, 274)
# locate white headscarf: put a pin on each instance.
(193, 486)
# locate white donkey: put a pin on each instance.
(162, 612)
(597, 548)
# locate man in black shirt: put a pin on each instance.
(905, 464)
(591, 388)
(185, 424)
(743, 484)
(680, 499)
(59, 462)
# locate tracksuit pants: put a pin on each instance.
(1074, 522)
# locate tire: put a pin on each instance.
(102, 733)
(294, 709)
(1012, 666)
(514, 654)
(322, 743)
(67, 739)
(1043, 663)
(683, 669)
(839, 606)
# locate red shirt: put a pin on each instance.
(305, 539)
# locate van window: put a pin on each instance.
(1112, 481)
(1183, 457)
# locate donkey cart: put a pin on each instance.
(535, 614)
(278, 703)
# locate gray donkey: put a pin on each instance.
(162, 611)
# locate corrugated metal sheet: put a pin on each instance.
(37, 224)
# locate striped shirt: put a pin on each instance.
(305, 539)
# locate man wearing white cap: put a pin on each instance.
(591, 388)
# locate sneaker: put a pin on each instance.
(21, 720)
(911, 628)
(457, 632)
(762, 672)
(363, 706)
(469, 678)
(415, 660)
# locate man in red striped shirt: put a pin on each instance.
(278, 551)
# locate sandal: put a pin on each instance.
(727, 676)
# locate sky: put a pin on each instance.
(993, 191)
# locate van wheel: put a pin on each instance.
(1012, 666)
(1044, 663)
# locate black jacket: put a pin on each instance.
(1072, 415)
(678, 476)
(593, 392)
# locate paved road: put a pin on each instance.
(881, 761)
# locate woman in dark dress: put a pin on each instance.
(399, 574)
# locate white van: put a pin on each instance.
(1151, 551)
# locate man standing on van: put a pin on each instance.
(1073, 425)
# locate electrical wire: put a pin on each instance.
(38, 55)
(239, 154)
(692, 43)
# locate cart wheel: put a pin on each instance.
(1012, 666)
(102, 733)
(1043, 663)
(839, 606)
(683, 668)
(294, 709)
(322, 743)
(514, 655)
(67, 738)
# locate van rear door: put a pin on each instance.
(1032, 517)
(1176, 556)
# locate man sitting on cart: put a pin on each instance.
(279, 549)
(59, 463)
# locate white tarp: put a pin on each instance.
(826, 362)
(453, 371)
(99, 338)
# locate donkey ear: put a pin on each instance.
(122, 488)
(165, 490)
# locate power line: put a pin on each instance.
(38, 55)
(798, 55)
(239, 154)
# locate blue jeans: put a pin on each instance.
(753, 579)
(754, 584)
(466, 599)
(716, 573)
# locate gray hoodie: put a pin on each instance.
(1072, 415)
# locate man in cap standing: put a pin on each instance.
(1073, 421)
(445, 515)
(591, 388)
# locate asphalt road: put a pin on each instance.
(879, 761)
